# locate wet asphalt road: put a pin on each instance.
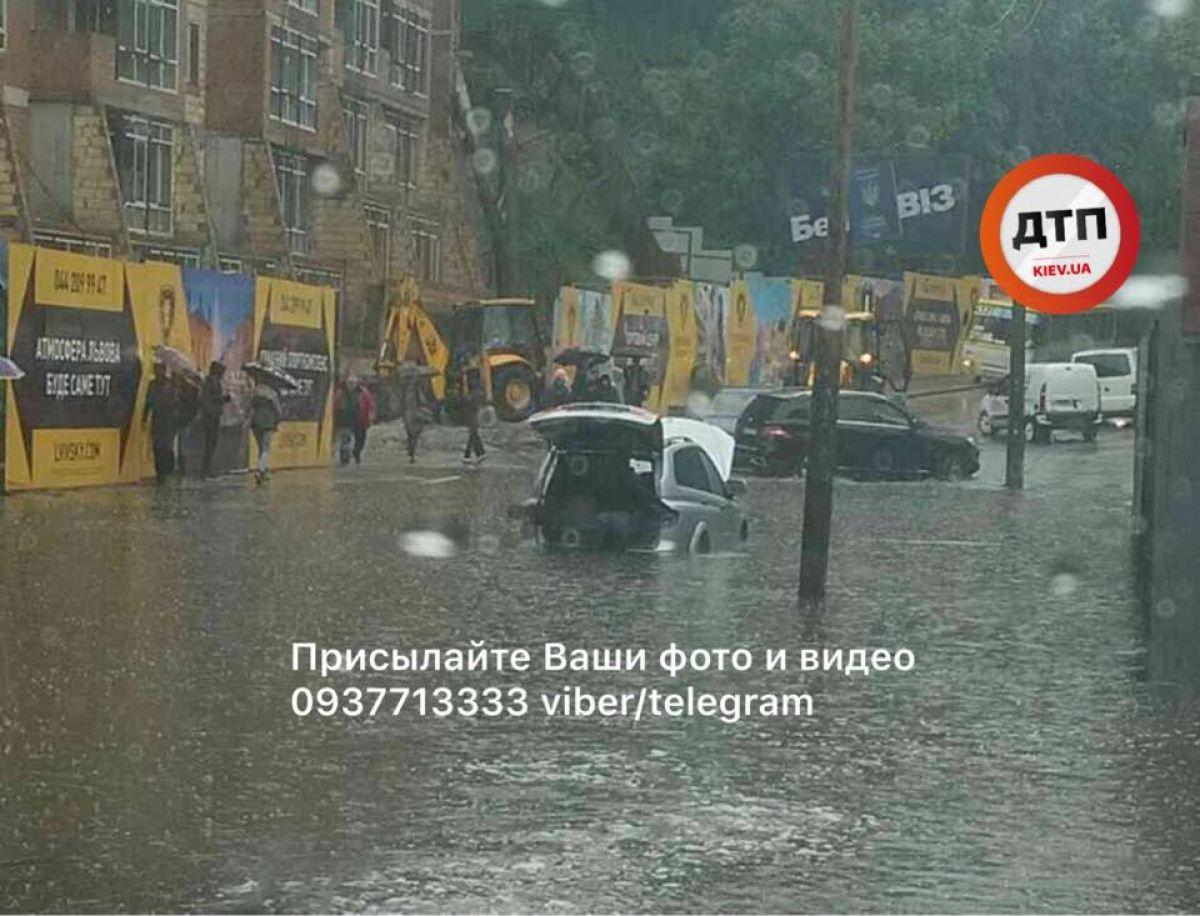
(150, 760)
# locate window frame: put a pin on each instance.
(356, 125)
(410, 50)
(292, 96)
(363, 44)
(407, 136)
(379, 218)
(291, 184)
(313, 7)
(137, 49)
(425, 232)
(150, 141)
(701, 459)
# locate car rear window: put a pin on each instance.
(792, 409)
(1108, 365)
(759, 410)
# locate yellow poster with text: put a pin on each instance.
(740, 336)
(938, 311)
(294, 331)
(684, 336)
(642, 327)
(71, 421)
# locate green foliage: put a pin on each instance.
(711, 103)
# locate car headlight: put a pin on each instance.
(972, 442)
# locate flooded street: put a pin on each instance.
(150, 759)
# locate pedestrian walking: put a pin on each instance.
(212, 405)
(413, 415)
(345, 414)
(162, 413)
(364, 418)
(265, 414)
(473, 389)
(560, 392)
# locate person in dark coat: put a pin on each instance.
(606, 391)
(559, 393)
(412, 414)
(473, 389)
(364, 418)
(162, 412)
(212, 404)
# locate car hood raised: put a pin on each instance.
(714, 440)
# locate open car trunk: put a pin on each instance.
(601, 488)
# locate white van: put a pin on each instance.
(1117, 370)
(1057, 396)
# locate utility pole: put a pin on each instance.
(507, 252)
(822, 446)
(1014, 475)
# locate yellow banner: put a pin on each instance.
(741, 335)
(642, 323)
(568, 330)
(77, 281)
(681, 328)
(75, 457)
(296, 304)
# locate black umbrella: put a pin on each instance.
(269, 375)
(578, 356)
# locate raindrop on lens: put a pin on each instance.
(672, 200)
(1170, 9)
(583, 64)
(918, 136)
(489, 544)
(645, 143)
(1149, 27)
(745, 256)
(1063, 585)
(833, 318)
(671, 102)
(479, 121)
(699, 404)
(612, 265)
(326, 180)
(807, 64)
(704, 61)
(1165, 609)
(431, 544)
(604, 128)
(485, 161)
(881, 95)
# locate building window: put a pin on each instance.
(78, 244)
(309, 6)
(94, 16)
(194, 53)
(404, 147)
(3, 24)
(184, 257)
(144, 151)
(379, 225)
(427, 251)
(360, 23)
(409, 47)
(230, 265)
(146, 42)
(355, 120)
(293, 78)
(292, 176)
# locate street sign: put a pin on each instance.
(1060, 233)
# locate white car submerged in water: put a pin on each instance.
(622, 477)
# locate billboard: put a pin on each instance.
(220, 310)
(938, 310)
(711, 303)
(741, 335)
(294, 328)
(929, 216)
(773, 305)
(684, 342)
(75, 329)
(642, 325)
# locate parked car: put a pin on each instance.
(727, 405)
(876, 438)
(621, 477)
(1117, 371)
(1057, 396)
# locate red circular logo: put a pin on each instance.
(1060, 234)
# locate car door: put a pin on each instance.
(853, 434)
(896, 448)
(1115, 372)
(690, 468)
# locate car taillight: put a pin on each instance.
(774, 432)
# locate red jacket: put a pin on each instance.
(366, 407)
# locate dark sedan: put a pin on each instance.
(876, 438)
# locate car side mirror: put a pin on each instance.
(735, 486)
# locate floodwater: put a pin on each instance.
(150, 758)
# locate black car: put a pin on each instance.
(876, 438)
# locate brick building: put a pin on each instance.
(306, 138)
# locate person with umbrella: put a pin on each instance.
(560, 392)
(162, 412)
(212, 404)
(266, 410)
(412, 410)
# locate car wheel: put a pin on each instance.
(985, 424)
(1089, 431)
(701, 543)
(950, 466)
(1032, 432)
